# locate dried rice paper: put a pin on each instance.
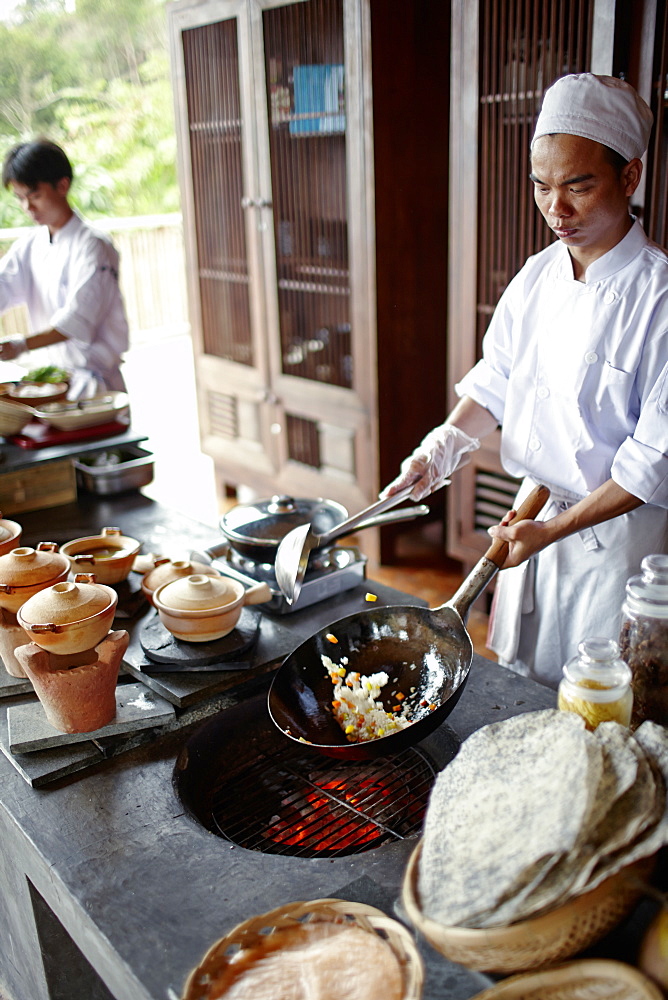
(515, 798)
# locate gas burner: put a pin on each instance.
(330, 571)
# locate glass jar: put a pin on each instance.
(597, 684)
(643, 639)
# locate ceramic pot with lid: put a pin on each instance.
(168, 570)
(256, 529)
(25, 571)
(109, 555)
(69, 617)
(201, 608)
(10, 535)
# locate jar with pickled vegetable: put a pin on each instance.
(643, 639)
(597, 684)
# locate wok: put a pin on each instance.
(255, 530)
(426, 652)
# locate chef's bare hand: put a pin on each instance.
(524, 538)
(12, 347)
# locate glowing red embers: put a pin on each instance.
(334, 816)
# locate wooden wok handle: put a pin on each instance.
(534, 503)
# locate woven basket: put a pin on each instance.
(538, 941)
(583, 980)
(255, 930)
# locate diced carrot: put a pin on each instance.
(401, 696)
(331, 638)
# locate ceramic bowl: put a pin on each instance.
(168, 570)
(69, 617)
(109, 555)
(14, 417)
(91, 412)
(201, 608)
(10, 535)
(37, 393)
(25, 571)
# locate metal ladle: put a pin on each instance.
(293, 552)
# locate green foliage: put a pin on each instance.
(96, 80)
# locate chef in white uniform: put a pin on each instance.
(66, 273)
(575, 370)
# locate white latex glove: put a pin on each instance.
(11, 347)
(438, 455)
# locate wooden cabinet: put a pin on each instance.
(505, 53)
(316, 252)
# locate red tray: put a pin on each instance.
(38, 435)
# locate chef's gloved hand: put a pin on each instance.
(438, 455)
(11, 347)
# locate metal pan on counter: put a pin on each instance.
(426, 652)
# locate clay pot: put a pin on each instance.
(10, 535)
(25, 571)
(69, 617)
(109, 555)
(168, 570)
(79, 698)
(201, 608)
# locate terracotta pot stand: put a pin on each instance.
(11, 636)
(77, 692)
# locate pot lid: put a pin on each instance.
(265, 522)
(66, 602)
(174, 569)
(25, 567)
(198, 592)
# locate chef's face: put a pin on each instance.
(45, 203)
(583, 198)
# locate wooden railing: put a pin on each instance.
(152, 274)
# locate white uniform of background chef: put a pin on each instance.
(66, 273)
(575, 369)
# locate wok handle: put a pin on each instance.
(529, 508)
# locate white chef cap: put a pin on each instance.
(602, 108)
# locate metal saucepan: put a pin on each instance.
(255, 530)
(293, 552)
(426, 652)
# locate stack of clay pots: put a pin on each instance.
(57, 632)
(23, 573)
(73, 659)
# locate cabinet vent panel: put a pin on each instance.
(303, 441)
(211, 63)
(494, 495)
(223, 417)
(524, 47)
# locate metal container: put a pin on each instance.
(134, 469)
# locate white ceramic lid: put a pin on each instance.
(174, 569)
(67, 602)
(198, 593)
(25, 567)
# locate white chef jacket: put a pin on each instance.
(70, 283)
(577, 375)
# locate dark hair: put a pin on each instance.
(32, 163)
(615, 159)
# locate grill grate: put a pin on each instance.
(291, 803)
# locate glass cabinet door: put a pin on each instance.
(211, 64)
(306, 108)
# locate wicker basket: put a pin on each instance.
(583, 980)
(538, 941)
(255, 930)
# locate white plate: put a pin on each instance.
(70, 416)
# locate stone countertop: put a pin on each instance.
(121, 892)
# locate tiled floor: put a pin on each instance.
(160, 375)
